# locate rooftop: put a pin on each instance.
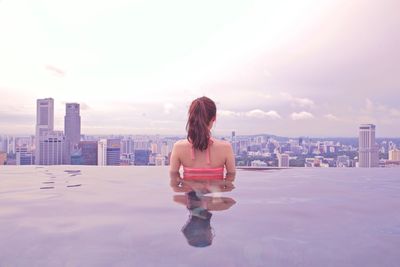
(131, 216)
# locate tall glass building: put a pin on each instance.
(368, 150)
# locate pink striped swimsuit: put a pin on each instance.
(203, 173)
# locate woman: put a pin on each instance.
(201, 155)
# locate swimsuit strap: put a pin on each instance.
(210, 141)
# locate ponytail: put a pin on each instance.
(201, 112)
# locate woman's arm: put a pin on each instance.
(174, 162)
(230, 160)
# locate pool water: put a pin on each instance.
(140, 216)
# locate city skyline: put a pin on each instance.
(292, 68)
(54, 147)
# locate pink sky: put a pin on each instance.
(316, 68)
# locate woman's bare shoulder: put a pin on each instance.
(221, 143)
(181, 143)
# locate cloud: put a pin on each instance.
(254, 113)
(84, 106)
(369, 105)
(258, 113)
(227, 113)
(302, 102)
(394, 112)
(303, 115)
(331, 117)
(55, 70)
(377, 109)
(168, 107)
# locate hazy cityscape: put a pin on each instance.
(71, 147)
(94, 95)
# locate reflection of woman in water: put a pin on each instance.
(201, 155)
(198, 230)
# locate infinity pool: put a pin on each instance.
(138, 216)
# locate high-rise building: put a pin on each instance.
(164, 149)
(23, 156)
(10, 145)
(89, 152)
(283, 160)
(51, 148)
(113, 152)
(233, 142)
(102, 152)
(109, 152)
(127, 146)
(44, 123)
(76, 157)
(394, 154)
(367, 149)
(141, 144)
(142, 157)
(72, 128)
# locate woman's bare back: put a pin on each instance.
(220, 155)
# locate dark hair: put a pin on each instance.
(201, 112)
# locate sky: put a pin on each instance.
(289, 68)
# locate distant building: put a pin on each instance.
(283, 160)
(89, 152)
(23, 156)
(10, 145)
(76, 157)
(343, 161)
(3, 158)
(44, 123)
(142, 157)
(102, 152)
(72, 128)
(154, 148)
(127, 146)
(394, 154)
(313, 162)
(233, 142)
(165, 149)
(141, 144)
(51, 148)
(368, 150)
(109, 152)
(160, 160)
(258, 163)
(113, 152)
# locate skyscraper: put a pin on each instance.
(142, 157)
(23, 156)
(127, 146)
(109, 152)
(51, 148)
(72, 128)
(102, 152)
(89, 152)
(367, 149)
(44, 122)
(113, 152)
(233, 142)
